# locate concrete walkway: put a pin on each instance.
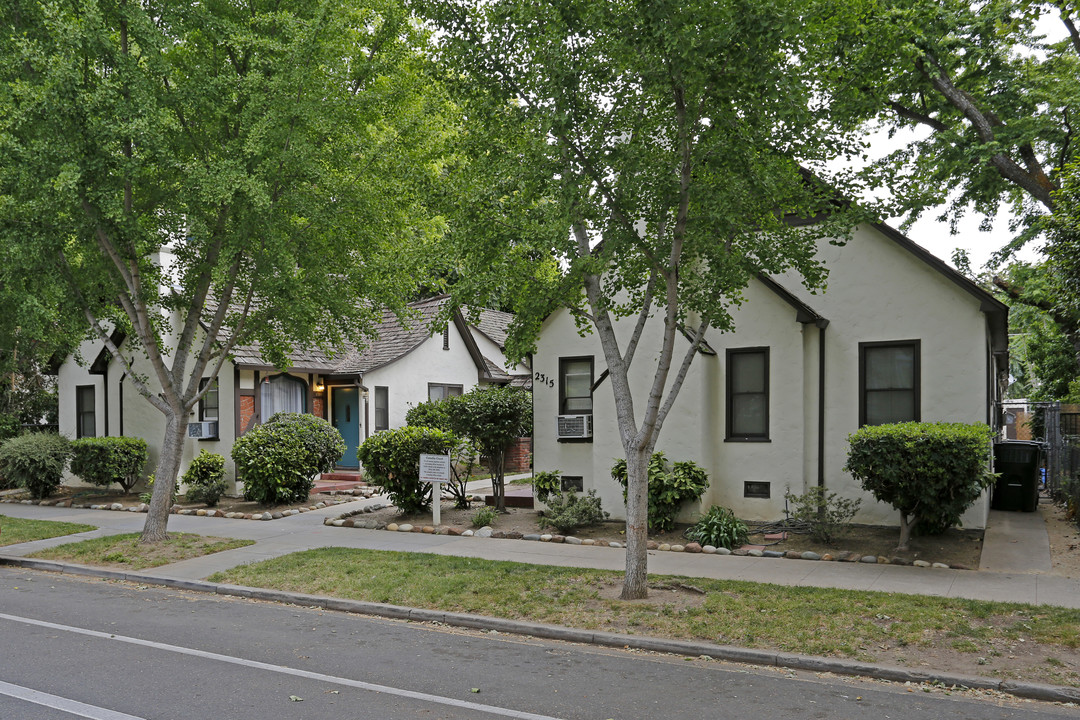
(1006, 575)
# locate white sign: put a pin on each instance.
(434, 468)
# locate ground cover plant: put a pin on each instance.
(869, 626)
(19, 530)
(205, 479)
(670, 487)
(125, 551)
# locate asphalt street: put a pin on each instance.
(72, 647)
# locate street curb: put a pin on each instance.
(810, 663)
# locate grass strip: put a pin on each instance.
(19, 530)
(815, 621)
(125, 551)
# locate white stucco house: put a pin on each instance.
(360, 391)
(767, 408)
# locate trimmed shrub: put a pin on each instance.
(568, 511)
(391, 458)
(278, 460)
(720, 528)
(205, 478)
(35, 461)
(107, 460)
(930, 472)
(825, 513)
(668, 488)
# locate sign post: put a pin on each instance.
(435, 469)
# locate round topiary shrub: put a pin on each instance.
(205, 478)
(107, 460)
(278, 461)
(391, 458)
(35, 461)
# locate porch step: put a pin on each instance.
(339, 480)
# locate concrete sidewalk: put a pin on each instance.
(1007, 576)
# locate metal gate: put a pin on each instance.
(1060, 434)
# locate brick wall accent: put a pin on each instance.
(247, 411)
(318, 407)
(519, 457)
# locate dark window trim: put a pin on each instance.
(386, 407)
(729, 397)
(562, 383)
(271, 378)
(760, 489)
(202, 401)
(916, 372)
(81, 409)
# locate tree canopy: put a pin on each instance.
(654, 148)
(990, 91)
(204, 174)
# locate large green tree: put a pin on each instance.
(205, 174)
(671, 131)
(991, 94)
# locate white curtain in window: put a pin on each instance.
(282, 394)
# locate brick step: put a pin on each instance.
(343, 476)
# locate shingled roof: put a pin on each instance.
(393, 339)
(494, 324)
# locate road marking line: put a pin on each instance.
(63, 704)
(360, 684)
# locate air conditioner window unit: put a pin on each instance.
(575, 426)
(203, 430)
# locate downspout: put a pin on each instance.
(822, 324)
(105, 387)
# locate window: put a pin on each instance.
(889, 382)
(756, 489)
(748, 394)
(575, 386)
(208, 406)
(282, 393)
(439, 391)
(85, 412)
(382, 410)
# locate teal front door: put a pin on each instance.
(345, 416)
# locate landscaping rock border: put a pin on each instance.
(353, 495)
(349, 519)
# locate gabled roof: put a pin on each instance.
(492, 324)
(392, 340)
(803, 312)
(997, 312)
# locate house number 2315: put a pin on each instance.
(544, 380)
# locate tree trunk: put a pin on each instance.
(498, 483)
(907, 522)
(636, 581)
(157, 518)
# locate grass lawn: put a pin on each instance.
(125, 551)
(17, 530)
(872, 626)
